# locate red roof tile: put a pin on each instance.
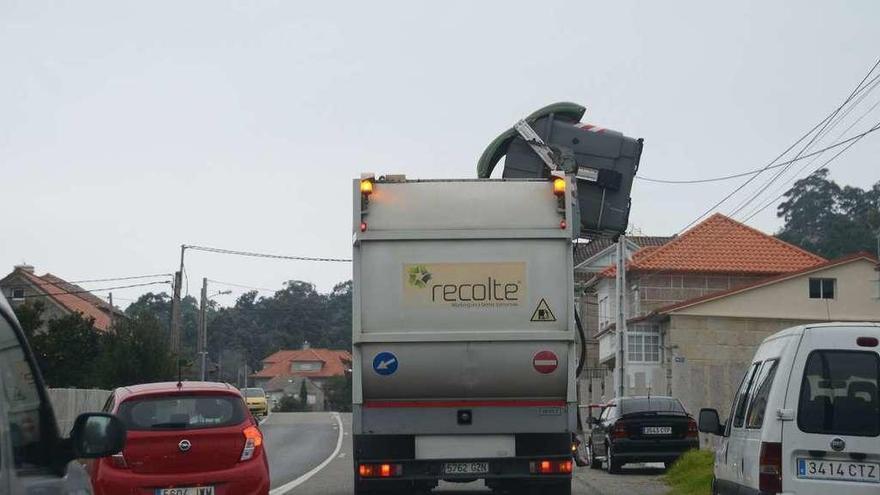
(72, 302)
(336, 362)
(722, 245)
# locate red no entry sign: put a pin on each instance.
(545, 362)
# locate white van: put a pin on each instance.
(806, 418)
(34, 456)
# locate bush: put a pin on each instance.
(289, 403)
(692, 473)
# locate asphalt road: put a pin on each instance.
(303, 460)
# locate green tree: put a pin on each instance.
(258, 326)
(289, 403)
(828, 220)
(337, 394)
(67, 351)
(136, 352)
(158, 306)
(30, 316)
(304, 396)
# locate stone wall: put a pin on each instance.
(68, 403)
(710, 355)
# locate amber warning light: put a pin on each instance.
(558, 186)
(366, 187)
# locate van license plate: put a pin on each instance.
(866, 472)
(192, 490)
(657, 430)
(466, 468)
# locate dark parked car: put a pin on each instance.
(641, 429)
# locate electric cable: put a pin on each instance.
(772, 162)
(264, 255)
(96, 290)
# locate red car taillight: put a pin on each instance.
(693, 431)
(118, 461)
(770, 470)
(253, 439)
(551, 467)
(619, 431)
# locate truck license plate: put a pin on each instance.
(657, 430)
(466, 468)
(866, 472)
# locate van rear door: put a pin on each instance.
(833, 442)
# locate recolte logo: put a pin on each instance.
(464, 285)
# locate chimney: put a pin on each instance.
(306, 345)
(25, 268)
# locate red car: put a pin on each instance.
(189, 438)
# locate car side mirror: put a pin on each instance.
(710, 422)
(97, 435)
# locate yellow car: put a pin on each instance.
(256, 401)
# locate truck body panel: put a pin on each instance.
(463, 326)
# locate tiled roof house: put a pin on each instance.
(60, 297)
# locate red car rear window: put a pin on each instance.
(182, 412)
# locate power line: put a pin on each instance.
(113, 279)
(241, 286)
(755, 171)
(772, 162)
(96, 290)
(806, 165)
(819, 135)
(820, 167)
(264, 255)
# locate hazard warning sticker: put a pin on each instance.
(543, 313)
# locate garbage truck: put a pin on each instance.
(466, 348)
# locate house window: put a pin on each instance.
(604, 316)
(644, 345)
(823, 288)
(17, 294)
(307, 366)
(636, 301)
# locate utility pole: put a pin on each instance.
(111, 310)
(621, 316)
(175, 306)
(203, 331)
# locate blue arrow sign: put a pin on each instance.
(385, 363)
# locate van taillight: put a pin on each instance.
(619, 431)
(867, 341)
(770, 468)
(253, 439)
(693, 430)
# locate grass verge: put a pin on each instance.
(691, 474)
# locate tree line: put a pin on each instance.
(73, 353)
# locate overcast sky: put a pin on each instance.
(128, 128)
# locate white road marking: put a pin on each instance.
(283, 489)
